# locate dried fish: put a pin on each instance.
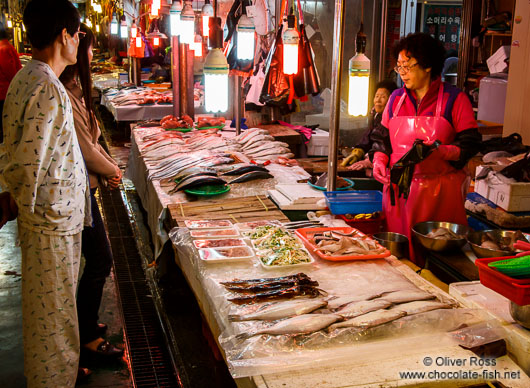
(245, 282)
(273, 285)
(284, 293)
(301, 324)
(280, 310)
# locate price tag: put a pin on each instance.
(251, 11)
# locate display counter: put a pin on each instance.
(137, 112)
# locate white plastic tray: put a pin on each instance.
(247, 226)
(206, 243)
(214, 233)
(214, 255)
(208, 224)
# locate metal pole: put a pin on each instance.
(382, 43)
(334, 118)
(183, 80)
(175, 70)
(237, 102)
(190, 106)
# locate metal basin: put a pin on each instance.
(521, 314)
(421, 230)
(398, 244)
(475, 239)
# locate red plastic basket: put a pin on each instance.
(517, 290)
(369, 226)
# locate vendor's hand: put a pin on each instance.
(448, 151)
(361, 165)
(380, 163)
(115, 180)
(8, 208)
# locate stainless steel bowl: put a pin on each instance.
(475, 239)
(398, 244)
(421, 230)
(521, 314)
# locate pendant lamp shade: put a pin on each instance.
(290, 38)
(187, 23)
(174, 17)
(245, 38)
(216, 81)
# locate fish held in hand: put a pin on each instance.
(280, 310)
(301, 324)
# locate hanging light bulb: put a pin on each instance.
(206, 12)
(97, 27)
(290, 38)
(154, 11)
(9, 23)
(138, 41)
(245, 38)
(156, 35)
(114, 26)
(187, 23)
(216, 72)
(174, 17)
(359, 79)
(197, 46)
(156, 41)
(156, 4)
(123, 28)
(134, 30)
(89, 23)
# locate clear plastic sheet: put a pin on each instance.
(264, 354)
(480, 334)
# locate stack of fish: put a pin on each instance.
(136, 95)
(258, 145)
(303, 315)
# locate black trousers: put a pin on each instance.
(98, 262)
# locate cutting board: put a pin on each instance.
(300, 193)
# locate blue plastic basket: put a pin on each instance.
(354, 201)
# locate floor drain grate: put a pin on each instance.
(150, 362)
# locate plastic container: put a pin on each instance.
(367, 226)
(354, 201)
(214, 233)
(260, 254)
(208, 224)
(517, 290)
(218, 255)
(220, 243)
(305, 234)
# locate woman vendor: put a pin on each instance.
(431, 110)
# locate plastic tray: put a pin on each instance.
(205, 224)
(305, 234)
(214, 255)
(208, 190)
(367, 226)
(206, 243)
(311, 261)
(214, 233)
(246, 226)
(517, 290)
(354, 201)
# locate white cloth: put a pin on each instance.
(45, 171)
(50, 267)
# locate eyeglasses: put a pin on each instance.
(404, 69)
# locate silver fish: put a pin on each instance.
(279, 310)
(356, 309)
(372, 319)
(199, 180)
(340, 301)
(244, 169)
(407, 296)
(250, 176)
(301, 324)
(420, 306)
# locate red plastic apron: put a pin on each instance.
(437, 189)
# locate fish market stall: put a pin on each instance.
(321, 322)
(158, 157)
(137, 103)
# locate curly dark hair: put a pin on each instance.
(429, 52)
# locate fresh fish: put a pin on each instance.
(202, 173)
(356, 309)
(372, 319)
(247, 282)
(281, 310)
(282, 293)
(341, 301)
(301, 324)
(192, 170)
(244, 169)
(420, 306)
(200, 180)
(407, 296)
(250, 176)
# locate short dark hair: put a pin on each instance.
(429, 52)
(45, 20)
(387, 84)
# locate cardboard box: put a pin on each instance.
(512, 197)
(496, 62)
(319, 143)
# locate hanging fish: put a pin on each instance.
(200, 180)
(245, 169)
(250, 176)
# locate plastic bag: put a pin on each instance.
(275, 91)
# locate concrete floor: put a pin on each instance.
(11, 355)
